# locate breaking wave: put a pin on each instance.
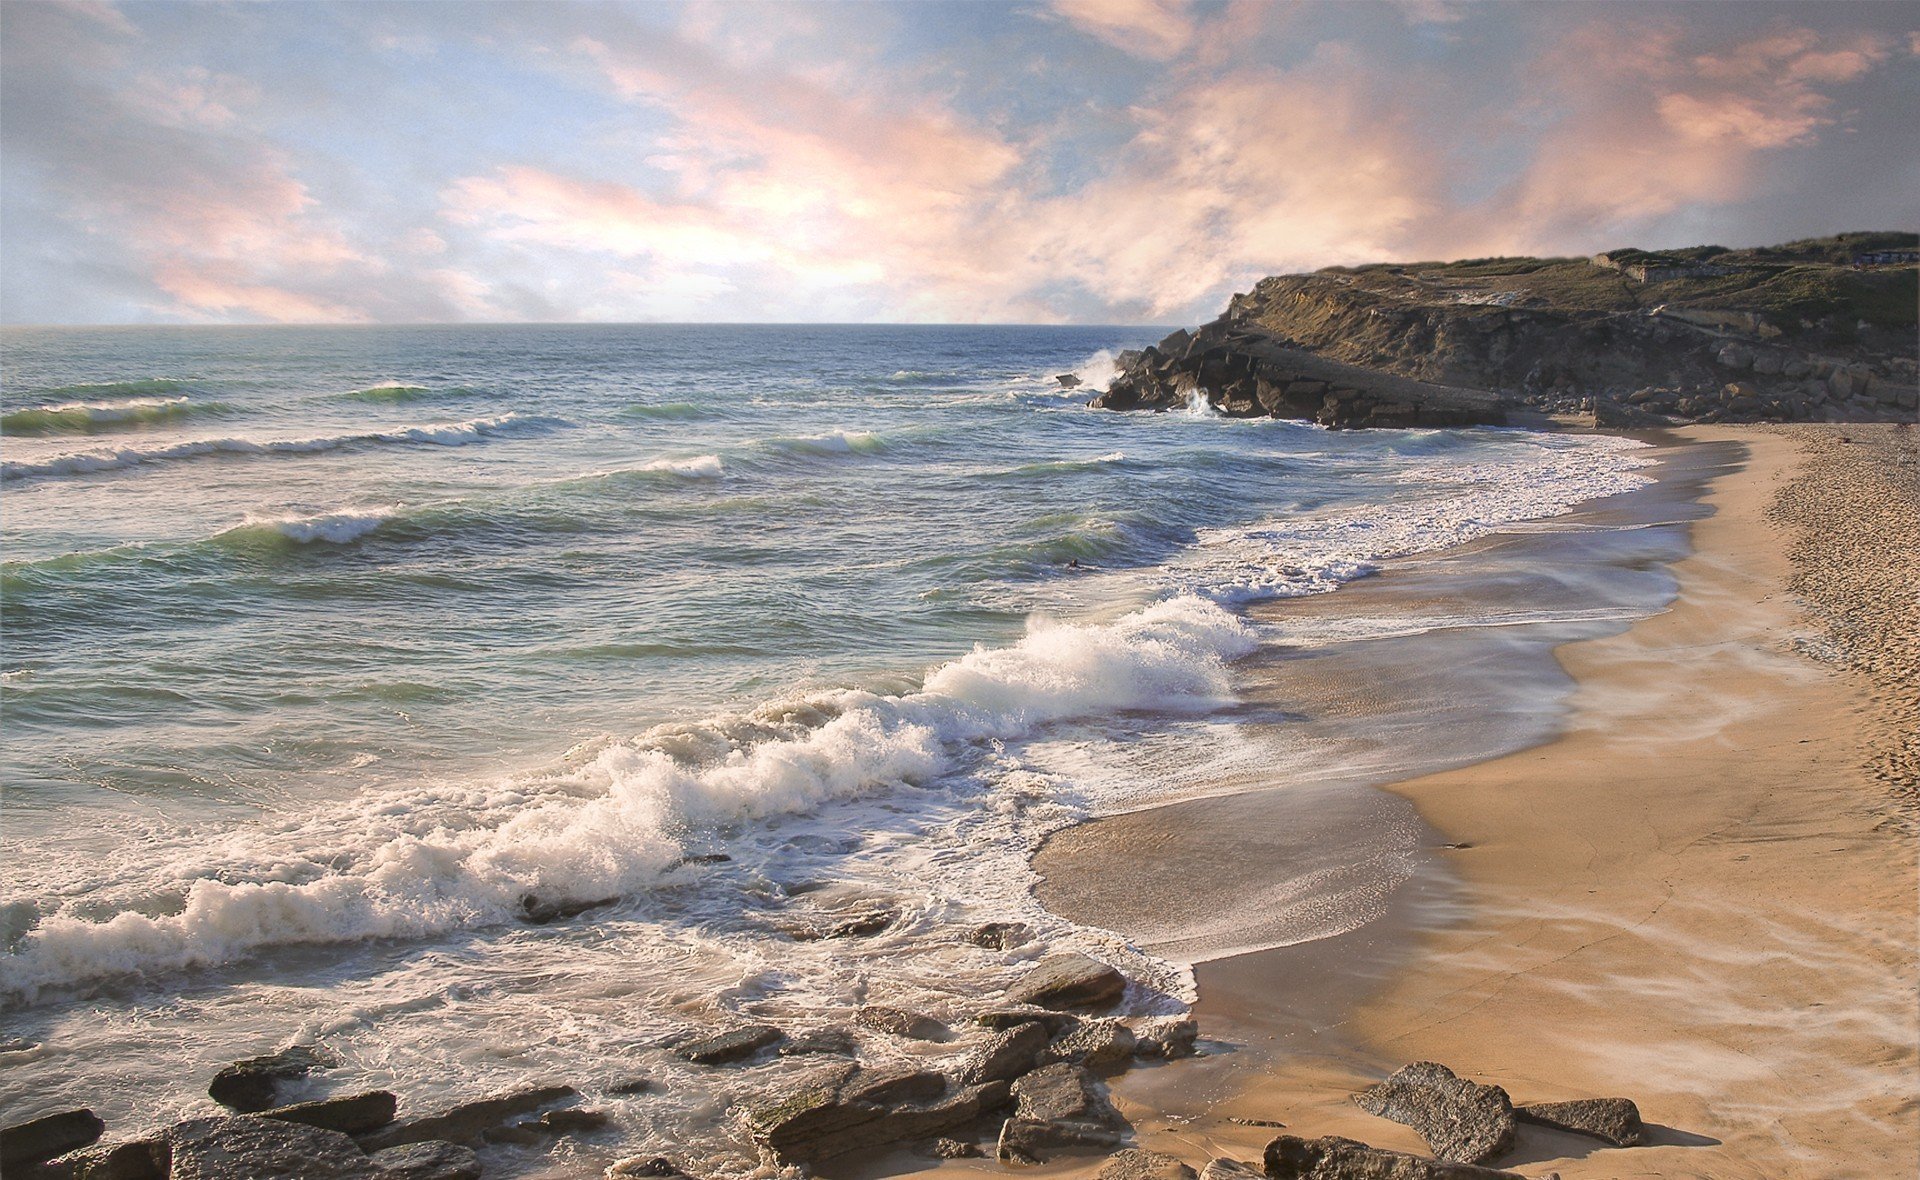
(89, 417)
(440, 858)
(454, 434)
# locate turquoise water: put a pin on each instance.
(327, 648)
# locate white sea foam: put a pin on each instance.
(1315, 552)
(335, 528)
(435, 859)
(451, 434)
(698, 467)
(1097, 371)
(839, 442)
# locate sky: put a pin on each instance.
(1042, 161)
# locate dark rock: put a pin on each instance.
(862, 924)
(137, 1159)
(1057, 1107)
(352, 1114)
(1616, 1120)
(1134, 1164)
(540, 911)
(819, 1040)
(250, 1086)
(838, 1111)
(901, 1023)
(633, 1085)
(1005, 1018)
(644, 1166)
(1461, 1120)
(1171, 1037)
(1068, 381)
(1333, 1158)
(732, 1045)
(246, 1147)
(1007, 1055)
(48, 1136)
(468, 1122)
(433, 1160)
(1096, 1044)
(1070, 980)
(998, 936)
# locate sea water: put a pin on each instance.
(330, 653)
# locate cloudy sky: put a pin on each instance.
(1104, 161)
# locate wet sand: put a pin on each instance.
(1697, 896)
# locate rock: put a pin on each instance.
(247, 1147)
(732, 1045)
(1170, 1037)
(434, 1159)
(1057, 1106)
(998, 936)
(1070, 980)
(352, 1114)
(1767, 363)
(1096, 1044)
(250, 1086)
(137, 1159)
(1333, 1158)
(862, 924)
(1734, 356)
(48, 1136)
(1796, 368)
(643, 1166)
(953, 1149)
(1009, 1054)
(468, 1122)
(1134, 1164)
(901, 1023)
(818, 1040)
(1005, 1018)
(539, 911)
(1739, 391)
(567, 1121)
(1616, 1120)
(1068, 381)
(632, 1085)
(1461, 1120)
(1226, 1169)
(838, 1111)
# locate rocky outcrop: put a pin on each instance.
(1070, 980)
(432, 1160)
(735, 1044)
(1333, 1158)
(468, 1122)
(1461, 1121)
(352, 1114)
(844, 1110)
(48, 1136)
(1614, 1120)
(247, 1147)
(1007, 1055)
(898, 1022)
(1096, 1044)
(1170, 1037)
(1057, 1108)
(253, 1085)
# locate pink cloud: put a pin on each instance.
(1151, 29)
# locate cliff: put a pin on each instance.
(1819, 329)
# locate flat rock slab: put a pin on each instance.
(1226, 1169)
(841, 1110)
(1614, 1120)
(1333, 1158)
(1134, 1164)
(250, 1086)
(48, 1136)
(246, 1147)
(433, 1160)
(1461, 1120)
(735, 1044)
(1096, 1044)
(468, 1122)
(1056, 1108)
(1070, 980)
(352, 1113)
(1007, 1055)
(901, 1023)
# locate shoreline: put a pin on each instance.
(1693, 896)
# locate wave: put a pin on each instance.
(623, 820)
(666, 411)
(390, 393)
(454, 434)
(840, 442)
(89, 417)
(698, 467)
(334, 528)
(102, 390)
(1060, 466)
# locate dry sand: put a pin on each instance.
(1699, 897)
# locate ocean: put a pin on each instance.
(332, 654)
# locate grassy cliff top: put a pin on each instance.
(1794, 284)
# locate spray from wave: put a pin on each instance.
(453, 434)
(441, 858)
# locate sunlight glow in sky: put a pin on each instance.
(1104, 161)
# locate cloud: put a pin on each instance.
(1153, 29)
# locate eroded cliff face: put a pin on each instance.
(1414, 345)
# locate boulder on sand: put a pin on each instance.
(1461, 1120)
(1333, 1158)
(1615, 1120)
(1070, 980)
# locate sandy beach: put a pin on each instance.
(1701, 895)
